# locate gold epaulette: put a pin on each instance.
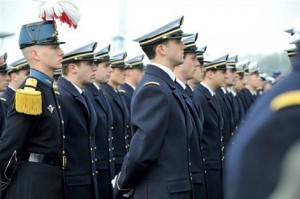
(150, 83)
(122, 91)
(2, 99)
(28, 100)
(285, 100)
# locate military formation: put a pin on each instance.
(90, 124)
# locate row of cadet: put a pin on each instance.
(83, 119)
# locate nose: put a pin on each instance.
(61, 52)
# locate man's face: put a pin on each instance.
(21, 76)
(189, 66)
(103, 72)
(174, 51)
(50, 55)
(117, 76)
(4, 81)
(136, 74)
(220, 78)
(255, 81)
(231, 77)
(86, 72)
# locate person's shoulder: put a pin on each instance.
(285, 100)
(28, 100)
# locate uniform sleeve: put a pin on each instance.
(14, 135)
(150, 113)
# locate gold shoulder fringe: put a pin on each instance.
(28, 100)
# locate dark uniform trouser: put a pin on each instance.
(35, 181)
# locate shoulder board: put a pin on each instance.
(285, 100)
(28, 100)
(2, 99)
(122, 91)
(152, 83)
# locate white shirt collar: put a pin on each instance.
(181, 84)
(209, 89)
(233, 92)
(224, 90)
(78, 89)
(11, 88)
(96, 85)
(166, 69)
(131, 85)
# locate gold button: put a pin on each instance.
(96, 159)
(112, 127)
(62, 122)
(64, 137)
(92, 161)
(97, 172)
(91, 149)
(95, 147)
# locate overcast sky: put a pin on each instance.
(225, 26)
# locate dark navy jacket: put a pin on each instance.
(157, 164)
(254, 164)
(197, 168)
(42, 134)
(103, 136)
(121, 121)
(126, 91)
(80, 121)
(212, 140)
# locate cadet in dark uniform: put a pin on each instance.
(121, 131)
(234, 90)
(199, 73)
(226, 109)
(157, 164)
(196, 79)
(212, 139)
(18, 72)
(80, 122)
(103, 135)
(134, 71)
(271, 128)
(33, 135)
(4, 81)
(183, 73)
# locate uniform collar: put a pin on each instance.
(181, 84)
(209, 89)
(41, 77)
(166, 69)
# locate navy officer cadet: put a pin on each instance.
(183, 73)
(157, 164)
(212, 139)
(134, 71)
(32, 142)
(121, 131)
(103, 134)
(80, 122)
(4, 81)
(199, 73)
(255, 161)
(18, 72)
(226, 108)
(197, 78)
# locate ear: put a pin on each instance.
(161, 49)
(34, 54)
(73, 68)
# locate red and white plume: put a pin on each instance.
(67, 11)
